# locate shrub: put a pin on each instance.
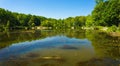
(112, 29)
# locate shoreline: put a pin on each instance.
(104, 29)
(114, 34)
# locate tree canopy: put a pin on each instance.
(105, 13)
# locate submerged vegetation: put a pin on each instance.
(105, 14)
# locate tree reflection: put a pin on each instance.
(104, 44)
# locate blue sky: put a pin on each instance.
(50, 8)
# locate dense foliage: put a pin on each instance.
(105, 13)
(12, 20)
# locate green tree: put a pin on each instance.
(31, 22)
(106, 13)
(89, 21)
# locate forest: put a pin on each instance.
(106, 13)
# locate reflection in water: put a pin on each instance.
(50, 42)
(59, 48)
(99, 62)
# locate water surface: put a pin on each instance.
(59, 48)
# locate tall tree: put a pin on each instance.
(106, 13)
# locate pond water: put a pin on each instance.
(59, 48)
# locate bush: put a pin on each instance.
(118, 30)
(112, 29)
(97, 27)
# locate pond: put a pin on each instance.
(59, 48)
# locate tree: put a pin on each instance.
(89, 21)
(31, 22)
(18, 20)
(106, 13)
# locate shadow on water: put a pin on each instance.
(59, 48)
